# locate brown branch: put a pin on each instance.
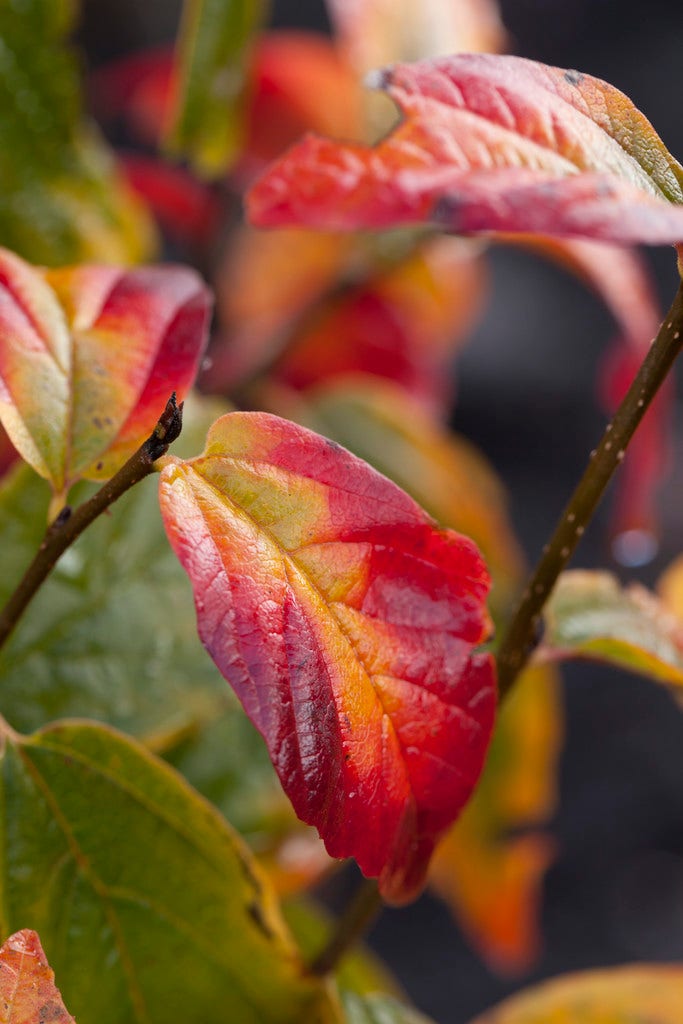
(519, 640)
(70, 523)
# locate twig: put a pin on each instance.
(519, 641)
(350, 928)
(69, 524)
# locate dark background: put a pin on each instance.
(526, 396)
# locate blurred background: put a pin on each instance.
(526, 395)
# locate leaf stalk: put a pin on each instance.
(358, 915)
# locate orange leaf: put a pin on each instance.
(28, 994)
(491, 879)
(346, 622)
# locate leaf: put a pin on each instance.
(488, 143)
(110, 635)
(265, 285)
(144, 897)
(376, 32)
(88, 358)
(379, 1009)
(319, 583)
(27, 984)
(490, 866)
(62, 199)
(206, 122)
(620, 995)
(444, 473)
(590, 615)
(188, 210)
(403, 322)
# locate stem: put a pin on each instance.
(350, 928)
(69, 524)
(519, 641)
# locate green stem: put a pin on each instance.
(350, 928)
(69, 524)
(519, 641)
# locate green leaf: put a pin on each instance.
(111, 633)
(144, 898)
(61, 199)
(590, 615)
(379, 1009)
(214, 47)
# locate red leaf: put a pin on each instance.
(28, 994)
(488, 143)
(186, 208)
(346, 622)
(88, 358)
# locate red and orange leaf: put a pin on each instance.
(28, 994)
(187, 209)
(488, 143)
(264, 288)
(491, 877)
(346, 622)
(402, 324)
(88, 357)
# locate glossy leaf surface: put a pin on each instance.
(488, 143)
(28, 994)
(491, 865)
(207, 117)
(111, 634)
(88, 358)
(144, 897)
(622, 995)
(346, 623)
(445, 474)
(61, 199)
(591, 616)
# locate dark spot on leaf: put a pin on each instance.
(447, 212)
(573, 77)
(99, 465)
(98, 422)
(256, 914)
(334, 446)
(50, 1012)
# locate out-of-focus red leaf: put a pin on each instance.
(346, 623)
(635, 518)
(488, 143)
(88, 358)
(491, 877)
(137, 89)
(402, 324)
(300, 83)
(376, 32)
(28, 994)
(621, 279)
(265, 285)
(187, 209)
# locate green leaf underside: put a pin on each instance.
(60, 199)
(144, 898)
(214, 47)
(590, 615)
(111, 633)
